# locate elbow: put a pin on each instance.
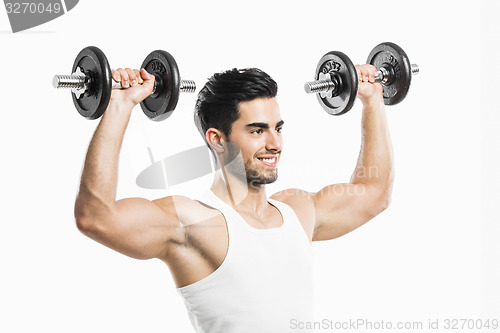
(383, 202)
(376, 208)
(85, 223)
(384, 194)
(380, 201)
(88, 221)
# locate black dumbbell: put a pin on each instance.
(336, 82)
(91, 84)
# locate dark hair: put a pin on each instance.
(218, 100)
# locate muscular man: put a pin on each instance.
(241, 261)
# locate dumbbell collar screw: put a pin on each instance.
(84, 87)
(78, 82)
(326, 85)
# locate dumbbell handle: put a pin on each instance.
(80, 82)
(327, 85)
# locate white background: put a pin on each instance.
(433, 254)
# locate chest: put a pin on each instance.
(270, 219)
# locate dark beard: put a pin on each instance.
(255, 177)
(239, 168)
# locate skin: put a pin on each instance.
(190, 237)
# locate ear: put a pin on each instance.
(215, 139)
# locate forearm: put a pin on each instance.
(98, 184)
(375, 166)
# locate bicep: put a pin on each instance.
(341, 208)
(136, 227)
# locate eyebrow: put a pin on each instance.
(265, 125)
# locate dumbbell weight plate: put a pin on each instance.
(341, 101)
(160, 105)
(393, 56)
(92, 61)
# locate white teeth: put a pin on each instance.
(269, 160)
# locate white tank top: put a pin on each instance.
(265, 283)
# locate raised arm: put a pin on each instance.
(135, 227)
(341, 208)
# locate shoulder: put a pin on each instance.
(302, 204)
(293, 195)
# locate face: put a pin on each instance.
(257, 134)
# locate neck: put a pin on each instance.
(237, 193)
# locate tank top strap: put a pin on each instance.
(289, 216)
(210, 199)
(230, 215)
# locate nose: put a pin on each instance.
(274, 141)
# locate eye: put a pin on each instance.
(279, 129)
(257, 131)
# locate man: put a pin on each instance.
(241, 261)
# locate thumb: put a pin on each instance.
(139, 93)
(149, 81)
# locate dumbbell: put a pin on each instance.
(336, 80)
(91, 84)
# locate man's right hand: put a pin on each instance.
(139, 84)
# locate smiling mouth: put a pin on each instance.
(269, 161)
